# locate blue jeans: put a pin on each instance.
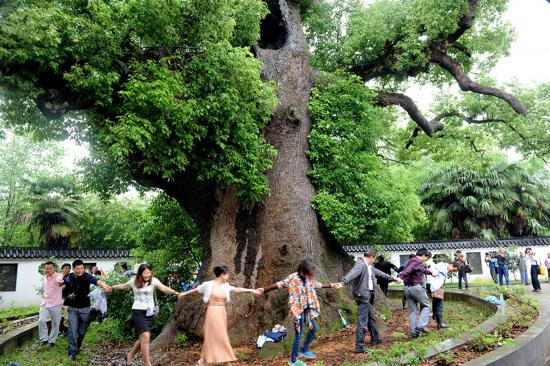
(524, 277)
(298, 338)
(503, 271)
(79, 319)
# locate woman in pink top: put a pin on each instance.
(51, 305)
(547, 265)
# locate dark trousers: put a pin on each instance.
(79, 320)
(535, 277)
(298, 337)
(365, 321)
(462, 275)
(493, 271)
(384, 286)
(437, 306)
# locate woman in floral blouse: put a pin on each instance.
(303, 307)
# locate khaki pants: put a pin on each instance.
(54, 313)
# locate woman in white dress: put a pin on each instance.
(216, 293)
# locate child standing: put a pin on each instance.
(303, 307)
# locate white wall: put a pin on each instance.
(29, 279)
(540, 252)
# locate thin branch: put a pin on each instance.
(526, 140)
(392, 160)
(466, 84)
(414, 135)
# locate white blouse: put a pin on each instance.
(205, 289)
(531, 260)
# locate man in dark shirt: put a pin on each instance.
(78, 287)
(415, 293)
(363, 276)
(386, 267)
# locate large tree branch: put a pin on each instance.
(428, 126)
(466, 84)
(449, 114)
(466, 22)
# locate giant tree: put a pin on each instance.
(180, 95)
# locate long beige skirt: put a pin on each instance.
(216, 347)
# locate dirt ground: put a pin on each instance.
(333, 349)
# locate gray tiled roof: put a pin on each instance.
(8, 253)
(456, 244)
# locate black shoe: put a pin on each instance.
(423, 330)
(375, 342)
(72, 357)
(415, 334)
(44, 343)
(52, 345)
(359, 351)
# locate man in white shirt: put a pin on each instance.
(441, 271)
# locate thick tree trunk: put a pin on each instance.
(264, 243)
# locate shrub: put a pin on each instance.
(181, 340)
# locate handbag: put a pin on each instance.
(153, 310)
(542, 270)
(439, 293)
(467, 268)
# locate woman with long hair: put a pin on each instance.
(216, 294)
(303, 307)
(144, 308)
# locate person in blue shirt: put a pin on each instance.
(492, 263)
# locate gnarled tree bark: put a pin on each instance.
(265, 242)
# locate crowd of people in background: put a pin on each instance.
(529, 265)
(83, 293)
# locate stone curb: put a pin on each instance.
(530, 348)
(17, 337)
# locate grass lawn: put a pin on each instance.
(460, 317)
(34, 354)
(18, 311)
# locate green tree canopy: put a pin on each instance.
(168, 86)
(360, 197)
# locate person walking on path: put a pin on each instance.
(303, 307)
(502, 262)
(363, 275)
(533, 263)
(51, 305)
(437, 283)
(463, 269)
(522, 266)
(217, 294)
(492, 266)
(415, 294)
(547, 265)
(144, 309)
(78, 283)
(385, 266)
